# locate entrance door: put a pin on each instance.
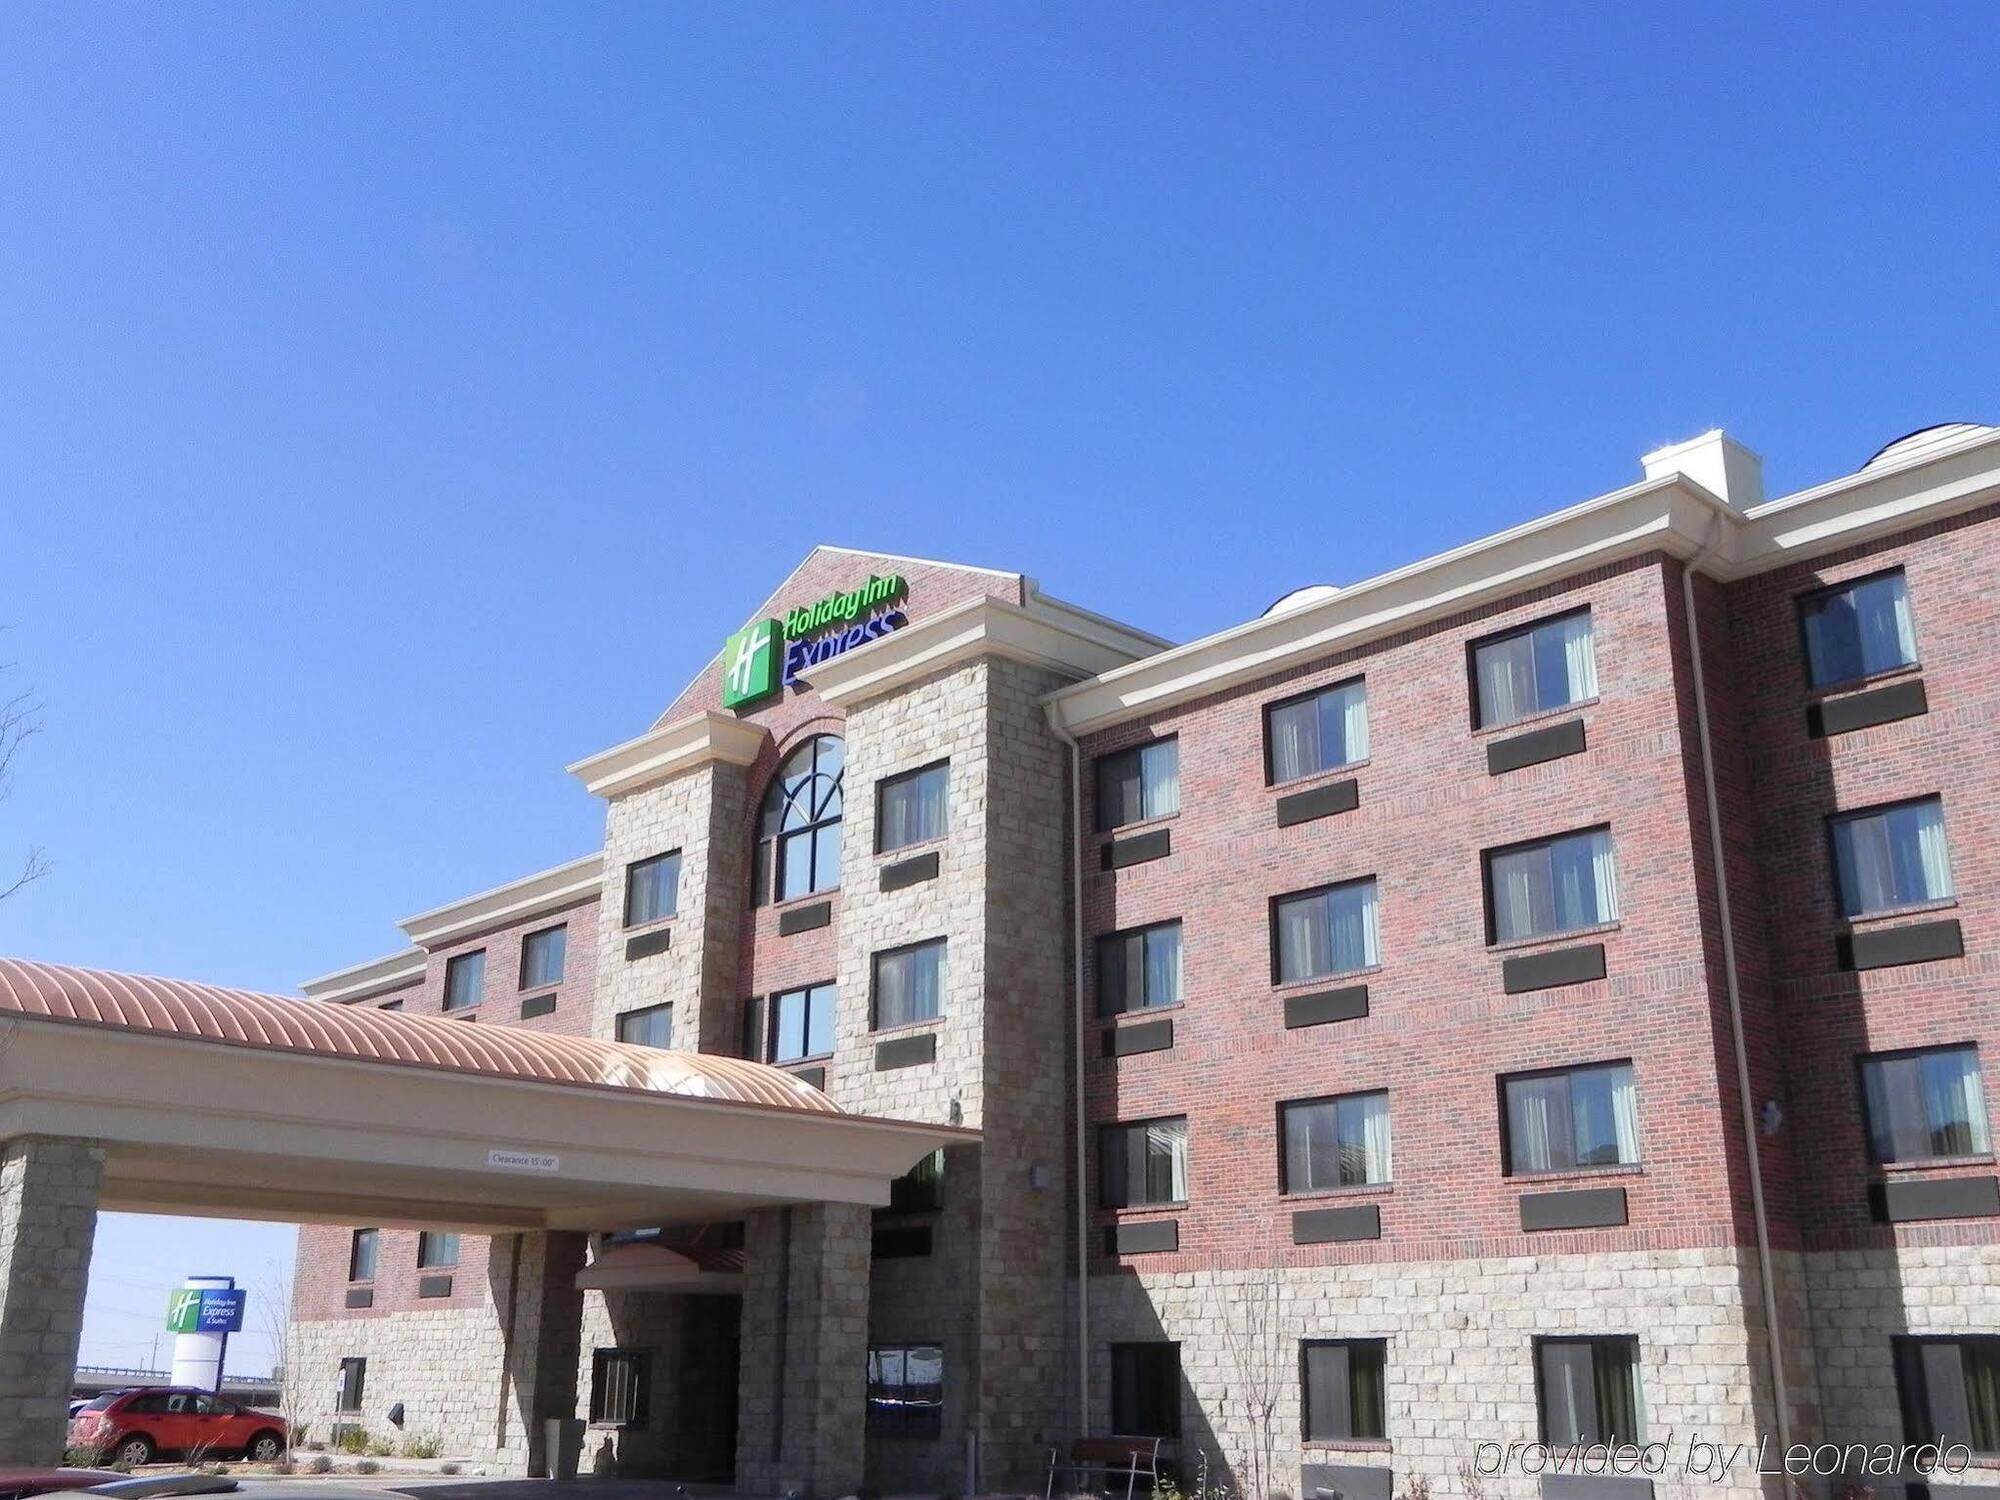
(705, 1416)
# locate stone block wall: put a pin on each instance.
(48, 1220)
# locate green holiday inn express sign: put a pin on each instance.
(765, 656)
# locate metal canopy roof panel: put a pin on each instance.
(244, 1018)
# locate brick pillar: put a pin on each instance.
(541, 1319)
(803, 1385)
(48, 1218)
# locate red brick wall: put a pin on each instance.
(1829, 1016)
(1439, 1029)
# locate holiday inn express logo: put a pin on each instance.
(184, 1311)
(765, 656)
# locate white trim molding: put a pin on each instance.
(545, 891)
(1044, 633)
(358, 981)
(1671, 512)
(669, 751)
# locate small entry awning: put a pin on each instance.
(242, 1105)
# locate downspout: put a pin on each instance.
(1773, 1335)
(1082, 1137)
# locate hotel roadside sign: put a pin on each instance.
(769, 654)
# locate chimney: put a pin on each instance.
(1716, 462)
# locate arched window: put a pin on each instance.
(798, 828)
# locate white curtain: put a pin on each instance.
(1579, 655)
(1515, 886)
(1896, 857)
(1935, 863)
(1935, 1104)
(1166, 1161)
(1625, 1113)
(1887, 637)
(1506, 674)
(1354, 721)
(1294, 741)
(1356, 927)
(1160, 775)
(1305, 939)
(1163, 966)
(1536, 1114)
(1375, 1136)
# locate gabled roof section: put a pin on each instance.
(934, 586)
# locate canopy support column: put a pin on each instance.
(48, 1220)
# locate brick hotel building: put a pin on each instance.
(1541, 992)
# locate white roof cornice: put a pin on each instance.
(669, 751)
(549, 890)
(378, 974)
(1045, 633)
(1671, 514)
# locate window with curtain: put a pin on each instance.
(618, 1387)
(1342, 1388)
(1588, 1390)
(913, 808)
(1142, 1163)
(1319, 732)
(1140, 783)
(362, 1251)
(543, 955)
(652, 889)
(1950, 1390)
(465, 980)
(437, 1248)
(1888, 857)
(1146, 1390)
(1924, 1105)
(1333, 930)
(1858, 630)
(651, 1027)
(909, 985)
(1572, 1117)
(1140, 969)
(1551, 886)
(1335, 1143)
(798, 826)
(1535, 670)
(802, 1023)
(906, 1390)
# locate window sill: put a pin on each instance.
(640, 929)
(1580, 1174)
(1555, 939)
(1339, 1194)
(1868, 920)
(1482, 731)
(461, 1010)
(1349, 1445)
(1339, 979)
(536, 992)
(1932, 1164)
(902, 851)
(1307, 782)
(810, 1060)
(1821, 693)
(903, 1028)
(1142, 1210)
(1140, 1013)
(615, 1426)
(1103, 836)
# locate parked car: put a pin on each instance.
(20, 1484)
(131, 1426)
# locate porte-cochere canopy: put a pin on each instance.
(220, 1101)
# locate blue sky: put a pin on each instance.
(397, 402)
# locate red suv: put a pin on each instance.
(131, 1426)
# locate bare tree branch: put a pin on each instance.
(20, 721)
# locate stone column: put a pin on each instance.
(541, 1319)
(804, 1377)
(48, 1218)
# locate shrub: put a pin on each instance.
(418, 1445)
(381, 1448)
(447, 1468)
(368, 1466)
(82, 1458)
(301, 1435)
(320, 1465)
(284, 1466)
(350, 1439)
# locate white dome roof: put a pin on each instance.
(1312, 593)
(1926, 440)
